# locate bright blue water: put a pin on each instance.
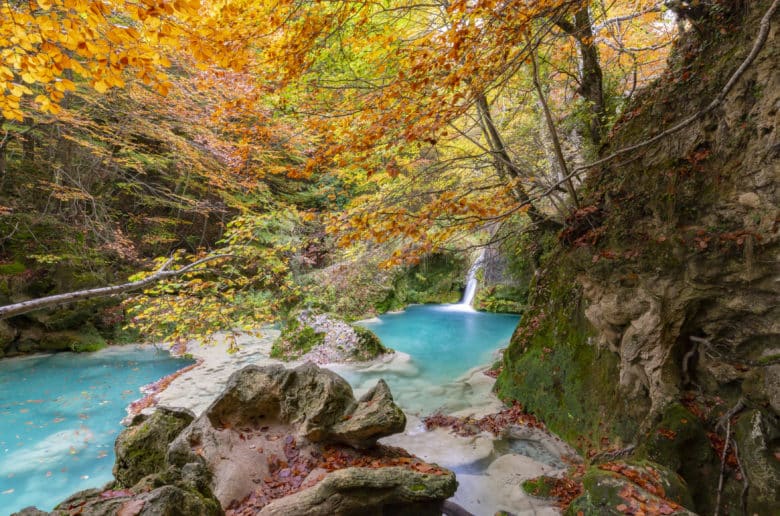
(444, 342)
(59, 416)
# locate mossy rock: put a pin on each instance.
(553, 369)
(607, 492)
(141, 448)
(369, 345)
(87, 339)
(540, 487)
(679, 442)
(296, 340)
(757, 434)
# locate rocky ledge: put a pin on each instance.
(274, 440)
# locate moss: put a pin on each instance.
(141, 448)
(679, 442)
(296, 340)
(540, 487)
(552, 368)
(369, 345)
(7, 269)
(417, 488)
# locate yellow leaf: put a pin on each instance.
(100, 86)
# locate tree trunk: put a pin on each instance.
(503, 162)
(591, 77)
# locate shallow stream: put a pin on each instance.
(60, 415)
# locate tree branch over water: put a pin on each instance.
(80, 295)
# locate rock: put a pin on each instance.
(85, 339)
(323, 339)
(368, 491)
(749, 199)
(141, 448)
(376, 415)
(267, 403)
(607, 492)
(7, 334)
(757, 433)
(318, 402)
(167, 500)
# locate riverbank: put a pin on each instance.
(490, 469)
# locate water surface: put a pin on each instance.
(443, 342)
(60, 415)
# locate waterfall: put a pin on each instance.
(471, 281)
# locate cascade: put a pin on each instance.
(471, 281)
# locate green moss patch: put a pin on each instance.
(296, 340)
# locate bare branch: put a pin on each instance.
(717, 101)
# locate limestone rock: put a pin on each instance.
(318, 402)
(756, 431)
(367, 491)
(140, 449)
(604, 491)
(376, 415)
(167, 500)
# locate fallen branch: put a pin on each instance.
(725, 420)
(80, 295)
(745, 481)
(723, 465)
(686, 361)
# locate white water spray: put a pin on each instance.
(471, 282)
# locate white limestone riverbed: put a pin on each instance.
(490, 470)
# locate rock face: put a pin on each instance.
(660, 308)
(276, 441)
(324, 339)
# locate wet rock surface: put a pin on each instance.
(275, 439)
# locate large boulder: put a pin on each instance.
(265, 410)
(317, 402)
(141, 448)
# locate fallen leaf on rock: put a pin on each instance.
(131, 508)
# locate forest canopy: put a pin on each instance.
(288, 136)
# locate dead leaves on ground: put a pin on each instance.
(638, 503)
(296, 470)
(493, 423)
